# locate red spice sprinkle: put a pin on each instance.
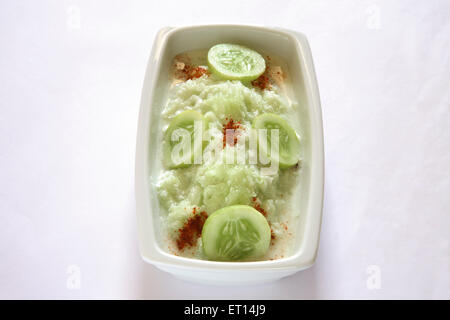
(231, 125)
(190, 72)
(258, 207)
(191, 230)
(262, 82)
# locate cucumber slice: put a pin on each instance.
(235, 233)
(289, 144)
(184, 120)
(235, 62)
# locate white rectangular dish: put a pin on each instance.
(294, 49)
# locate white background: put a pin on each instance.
(71, 74)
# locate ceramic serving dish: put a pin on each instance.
(294, 49)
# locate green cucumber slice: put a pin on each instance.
(184, 120)
(289, 144)
(235, 233)
(235, 62)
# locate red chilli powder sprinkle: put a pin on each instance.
(191, 230)
(258, 207)
(262, 82)
(272, 234)
(194, 72)
(231, 125)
